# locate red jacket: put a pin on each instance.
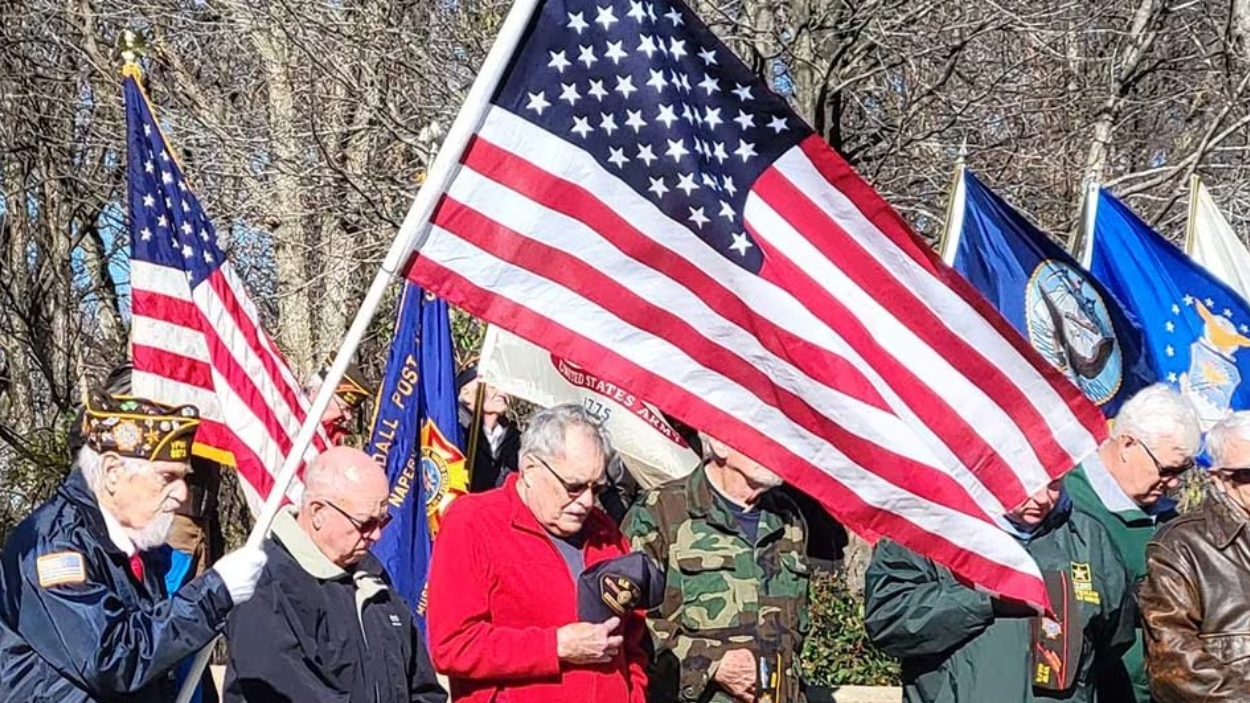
(499, 590)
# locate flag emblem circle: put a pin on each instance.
(1069, 324)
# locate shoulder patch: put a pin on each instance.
(61, 569)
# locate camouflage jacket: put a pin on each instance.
(722, 592)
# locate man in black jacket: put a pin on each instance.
(498, 438)
(324, 624)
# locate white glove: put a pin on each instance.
(240, 570)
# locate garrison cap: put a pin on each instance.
(619, 585)
(353, 389)
(139, 428)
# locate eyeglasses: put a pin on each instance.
(574, 490)
(1237, 475)
(366, 527)
(1166, 472)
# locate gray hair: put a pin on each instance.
(1221, 437)
(91, 464)
(1157, 413)
(544, 436)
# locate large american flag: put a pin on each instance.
(195, 335)
(637, 200)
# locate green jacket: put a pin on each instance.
(955, 649)
(722, 591)
(1095, 493)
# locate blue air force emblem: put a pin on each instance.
(1069, 325)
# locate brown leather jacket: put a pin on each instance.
(1196, 605)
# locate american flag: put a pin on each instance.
(637, 200)
(195, 335)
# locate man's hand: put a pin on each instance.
(240, 570)
(736, 674)
(588, 642)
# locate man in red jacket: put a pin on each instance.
(503, 611)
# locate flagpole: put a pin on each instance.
(1089, 211)
(955, 206)
(475, 426)
(1195, 183)
(411, 234)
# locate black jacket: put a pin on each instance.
(491, 469)
(300, 640)
(101, 636)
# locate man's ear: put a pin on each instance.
(316, 514)
(111, 469)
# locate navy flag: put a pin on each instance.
(416, 436)
(1058, 306)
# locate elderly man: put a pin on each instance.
(735, 606)
(1125, 486)
(352, 392)
(1194, 601)
(498, 440)
(505, 619)
(84, 615)
(960, 644)
(324, 625)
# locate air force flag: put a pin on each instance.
(1047, 296)
(1197, 329)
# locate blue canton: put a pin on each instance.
(651, 93)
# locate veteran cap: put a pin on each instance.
(138, 427)
(617, 586)
(353, 389)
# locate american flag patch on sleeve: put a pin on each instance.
(61, 569)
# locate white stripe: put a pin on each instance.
(164, 389)
(247, 427)
(555, 229)
(167, 281)
(976, 408)
(168, 337)
(956, 314)
(667, 361)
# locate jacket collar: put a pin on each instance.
(701, 502)
(76, 490)
(1225, 520)
(302, 549)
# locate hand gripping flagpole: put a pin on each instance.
(412, 234)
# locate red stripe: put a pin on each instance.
(827, 236)
(576, 202)
(842, 502)
(874, 208)
(250, 466)
(513, 172)
(159, 362)
(565, 270)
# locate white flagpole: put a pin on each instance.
(411, 233)
(954, 215)
(1090, 212)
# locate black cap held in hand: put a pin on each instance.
(617, 586)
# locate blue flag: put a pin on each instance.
(1064, 313)
(416, 436)
(1196, 328)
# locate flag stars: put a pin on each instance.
(743, 92)
(745, 121)
(646, 45)
(148, 201)
(634, 119)
(581, 126)
(708, 56)
(606, 17)
(727, 211)
(208, 258)
(1170, 327)
(187, 229)
(1226, 312)
(719, 153)
(167, 177)
(727, 184)
(538, 102)
(617, 157)
(568, 92)
(149, 166)
(1169, 350)
(667, 115)
(745, 149)
(657, 80)
(558, 61)
(1172, 378)
(586, 54)
(188, 251)
(676, 149)
(657, 186)
(1209, 303)
(677, 48)
(686, 184)
(636, 12)
(577, 22)
(711, 117)
(778, 124)
(741, 243)
(147, 130)
(697, 217)
(1188, 300)
(1243, 329)
(675, 17)
(709, 84)
(607, 122)
(625, 86)
(162, 222)
(596, 90)
(1176, 309)
(646, 155)
(615, 52)
(145, 234)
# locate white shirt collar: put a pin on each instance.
(1113, 497)
(117, 533)
(495, 437)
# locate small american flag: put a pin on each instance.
(635, 199)
(195, 336)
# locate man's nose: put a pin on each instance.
(178, 491)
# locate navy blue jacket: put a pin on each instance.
(103, 638)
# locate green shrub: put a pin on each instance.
(837, 651)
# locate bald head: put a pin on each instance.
(345, 504)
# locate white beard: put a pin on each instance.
(154, 534)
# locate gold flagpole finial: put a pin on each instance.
(133, 46)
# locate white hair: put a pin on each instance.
(1221, 437)
(91, 464)
(1158, 413)
(544, 435)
